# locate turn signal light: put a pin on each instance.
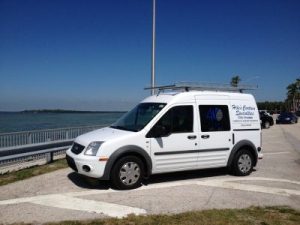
(103, 158)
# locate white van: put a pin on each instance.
(185, 129)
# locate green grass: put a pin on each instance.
(248, 216)
(14, 176)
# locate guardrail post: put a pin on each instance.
(49, 157)
(29, 138)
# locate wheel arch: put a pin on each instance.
(243, 144)
(126, 151)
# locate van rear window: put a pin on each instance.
(214, 118)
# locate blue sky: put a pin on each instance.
(96, 55)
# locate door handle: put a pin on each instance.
(204, 136)
(192, 137)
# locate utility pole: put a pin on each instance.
(153, 48)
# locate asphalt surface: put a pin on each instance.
(64, 195)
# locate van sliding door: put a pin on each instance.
(215, 133)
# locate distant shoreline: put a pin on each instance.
(34, 111)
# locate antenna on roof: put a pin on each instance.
(188, 86)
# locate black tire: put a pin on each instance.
(135, 173)
(242, 164)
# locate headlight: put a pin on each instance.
(93, 147)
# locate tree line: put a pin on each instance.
(291, 103)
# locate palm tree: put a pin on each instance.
(298, 94)
(235, 81)
(293, 94)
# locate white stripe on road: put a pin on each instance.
(249, 187)
(275, 153)
(91, 206)
(67, 202)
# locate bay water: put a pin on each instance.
(20, 121)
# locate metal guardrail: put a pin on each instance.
(26, 146)
(43, 136)
(33, 147)
(47, 154)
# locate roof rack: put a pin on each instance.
(188, 86)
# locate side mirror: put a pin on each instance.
(158, 131)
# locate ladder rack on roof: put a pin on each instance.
(188, 86)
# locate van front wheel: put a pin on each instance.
(127, 173)
(242, 163)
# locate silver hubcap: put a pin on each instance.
(130, 173)
(267, 124)
(244, 163)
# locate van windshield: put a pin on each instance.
(136, 119)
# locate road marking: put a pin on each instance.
(230, 184)
(275, 153)
(67, 202)
(71, 201)
(91, 206)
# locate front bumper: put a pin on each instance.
(78, 162)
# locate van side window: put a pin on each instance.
(214, 118)
(179, 119)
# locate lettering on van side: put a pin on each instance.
(243, 114)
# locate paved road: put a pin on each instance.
(63, 195)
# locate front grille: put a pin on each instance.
(77, 148)
(71, 163)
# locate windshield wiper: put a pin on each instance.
(117, 127)
(123, 128)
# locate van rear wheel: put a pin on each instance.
(243, 162)
(127, 173)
